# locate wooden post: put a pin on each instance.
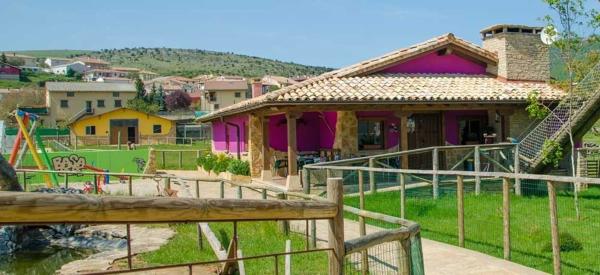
(264, 194)
(75, 144)
(517, 170)
(266, 173)
(288, 257)
(372, 185)
(180, 159)
(24, 181)
(506, 216)
(199, 229)
(579, 168)
(163, 159)
(461, 210)
(436, 165)
(361, 223)
(95, 184)
(404, 139)
(554, 228)
(130, 185)
(335, 193)
(404, 257)
(313, 232)
(292, 148)
(284, 225)
(222, 189)
(477, 167)
(66, 180)
(197, 154)
(129, 246)
(402, 195)
(197, 189)
(239, 192)
(119, 140)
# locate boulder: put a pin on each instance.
(8, 177)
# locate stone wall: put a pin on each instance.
(255, 145)
(346, 133)
(522, 56)
(519, 123)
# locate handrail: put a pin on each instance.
(463, 173)
(41, 208)
(416, 151)
(367, 241)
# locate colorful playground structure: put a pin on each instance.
(25, 119)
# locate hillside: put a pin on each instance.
(190, 62)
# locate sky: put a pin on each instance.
(332, 33)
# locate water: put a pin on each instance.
(46, 261)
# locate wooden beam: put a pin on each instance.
(39, 208)
(404, 140)
(292, 144)
(379, 237)
(335, 194)
(554, 227)
(506, 216)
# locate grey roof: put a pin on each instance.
(89, 87)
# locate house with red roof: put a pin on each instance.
(9, 72)
(442, 91)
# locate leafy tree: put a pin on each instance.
(3, 59)
(70, 72)
(574, 26)
(141, 91)
(139, 104)
(159, 98)
(178, 100)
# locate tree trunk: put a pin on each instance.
(8, 177)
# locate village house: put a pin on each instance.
(126, 124)
(269, 83)
(9, 72)
(56, 61)
(171, 84)
(95, 74)
(443, 91)
(77, 67)
(223, 91)
(21, 59)
(93, 63)
(142, 74)
(70, 101)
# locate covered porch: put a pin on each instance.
(310, 134)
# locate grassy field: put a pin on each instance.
(255, 238)
(530, 226)
(33, 80)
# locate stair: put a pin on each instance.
(579, 110)
(78, 115)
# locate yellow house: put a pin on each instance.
(129, 125)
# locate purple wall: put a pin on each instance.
(391, 138)
(437, 64)
(219, 136)
(312, 133)
(451, 120)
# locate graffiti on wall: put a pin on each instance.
(68, 163)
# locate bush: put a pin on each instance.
(239, 167)
(221, 163)
(567, 243)
(209, 162)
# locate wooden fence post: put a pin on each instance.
(517, 170)
(402, 195)
(477, 167)
(335, 193)
(163, 159)
(239, 192)
(130, 185)
(554, 228)
(197, 189)
(436, 165)
(180, 159)
(222, 189)
(461, 210)
(264, 194)
(284, 225)
(372, 185)
(67, 181)
(506, 216)
(579, 168)
(364, 264)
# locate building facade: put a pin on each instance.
(70, 101)
(222, 92)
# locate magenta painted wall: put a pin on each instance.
(437, 64)
(451, 119)
(219, 136)
(312, 133)
(391, 138)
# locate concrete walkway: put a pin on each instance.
(439, 258)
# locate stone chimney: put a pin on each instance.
(521, 53)
(257, 87)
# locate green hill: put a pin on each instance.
(190, 62)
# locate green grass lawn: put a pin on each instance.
(255, 238)
(530, 226)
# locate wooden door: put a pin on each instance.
(114, 134)
(427, 133)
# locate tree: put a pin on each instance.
(70, 72)
(159, 98)
(140, 104)
(574, 27)
(140, 89)
(3, 59)
(178, 100)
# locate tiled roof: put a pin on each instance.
(356, 83)
(92, 60)
(89, 87)
(400, 88)
(225, 84)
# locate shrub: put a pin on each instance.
(567, 243)
(239, 167)
(209, 162)
(221, 163)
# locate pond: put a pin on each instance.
(41, 262)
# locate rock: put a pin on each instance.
(8, 177)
